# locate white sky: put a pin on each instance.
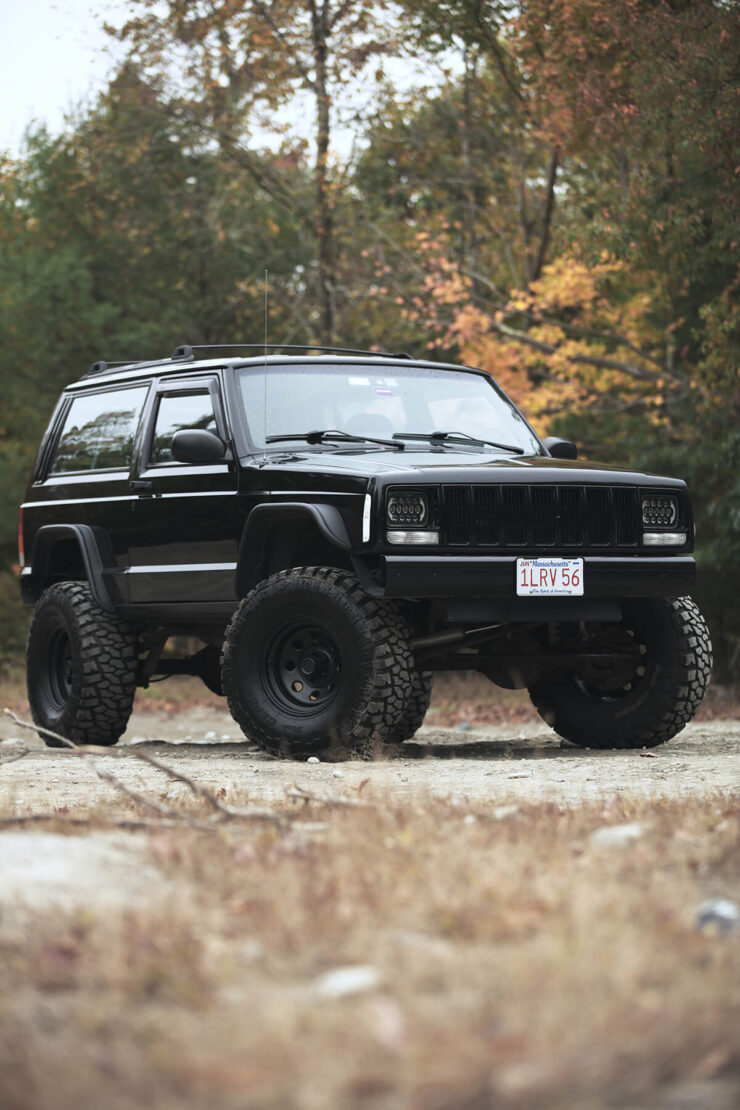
(55, 55)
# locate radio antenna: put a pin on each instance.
(264, 457)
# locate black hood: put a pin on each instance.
(443, 466)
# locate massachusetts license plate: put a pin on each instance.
(549, 577)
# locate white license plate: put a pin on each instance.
(549, 577)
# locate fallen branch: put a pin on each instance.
(220, 811)
(132, 823)
(300, 794)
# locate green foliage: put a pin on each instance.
(14, 620)
(558, 201)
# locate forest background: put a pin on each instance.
(555, 198)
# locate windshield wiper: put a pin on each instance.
(458, 437)
(333, 435)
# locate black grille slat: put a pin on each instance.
(514, 516)
(457, 512)
(541, 516)
(486, 514)
(571, 515)
(626, 516)
(599, 516)
(544, 522)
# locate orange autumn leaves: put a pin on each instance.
(575, 340)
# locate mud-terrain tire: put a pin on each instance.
(652, 703)
(312, 664)
(417, 704)
(80, 667)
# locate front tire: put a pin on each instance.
(416, 707)
(80, 666)
(312, 664)
(639, 704)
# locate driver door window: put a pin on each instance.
(177, 412)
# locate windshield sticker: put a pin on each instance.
(359, 381)
(384, 391)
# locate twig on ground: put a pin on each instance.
(14, 758)
(84, 822)
(299, 793)
(221, 812)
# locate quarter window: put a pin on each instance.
(178, 412)
(98, 431)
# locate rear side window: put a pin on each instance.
(177, 412)
(98, 431)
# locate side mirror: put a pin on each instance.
(560, 448)
(196, 445)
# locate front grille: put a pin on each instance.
(540, 516)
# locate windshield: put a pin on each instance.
(379, 401)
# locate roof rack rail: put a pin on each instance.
(111, 365)
(102, 366)
(186, 351)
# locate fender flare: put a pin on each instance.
(94, 548)
(265, 518)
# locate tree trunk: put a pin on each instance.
(324, 214)
(547, 215)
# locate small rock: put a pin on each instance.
(719, 916)
(386, 1021)
(251, 951)
(464, 726)
(501, 812)
(313, 759)
(338, 774)
(520, 775)
(343, 981)
(469, 819)
(612, 836)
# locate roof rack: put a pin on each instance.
(111, 365)
(187, 351)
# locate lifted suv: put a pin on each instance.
(333, 528)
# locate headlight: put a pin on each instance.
(659, 511)
(407, 508)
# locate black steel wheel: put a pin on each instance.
(312, 664)
(81, 667)
(646, 692)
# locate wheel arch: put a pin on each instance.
(72, 552)
(274, 535)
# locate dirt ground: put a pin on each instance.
(522, 762)
(496, 903)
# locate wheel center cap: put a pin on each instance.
(316, 663)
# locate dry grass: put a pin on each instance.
(519, 965)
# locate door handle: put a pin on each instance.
(142, 485)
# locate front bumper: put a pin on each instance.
(494, 576)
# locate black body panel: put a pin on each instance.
(172, 543)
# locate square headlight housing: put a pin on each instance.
(663, 522)
(411, 517)
(659, 511)
(407, 508)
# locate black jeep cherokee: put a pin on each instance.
(334, 527)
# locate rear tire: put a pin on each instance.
(312, 664)
(635, 705)
(81, 667)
